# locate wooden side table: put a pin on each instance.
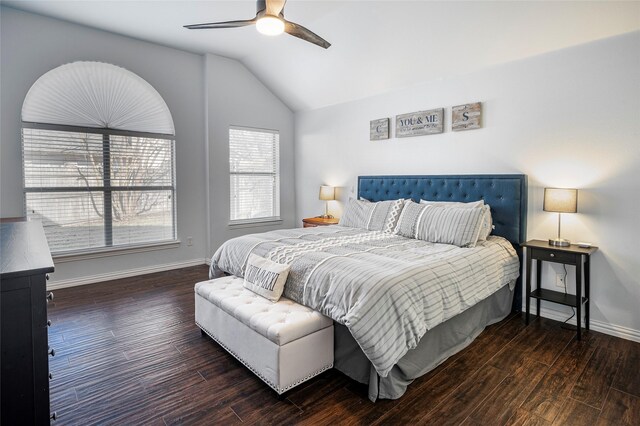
(541, 251)
(312, 222)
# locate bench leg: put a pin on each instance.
(202, 333)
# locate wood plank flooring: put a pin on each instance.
(128, 352)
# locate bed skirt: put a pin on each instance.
(434, 348)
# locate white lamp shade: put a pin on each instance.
(327, 192)
(561, 200)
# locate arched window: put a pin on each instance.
(98, 159)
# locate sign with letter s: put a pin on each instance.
(466, 117)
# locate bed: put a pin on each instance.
(401, 305)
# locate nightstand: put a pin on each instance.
(312, 222)
(541, 251)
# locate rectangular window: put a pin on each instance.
(94, 190)
(254, 167)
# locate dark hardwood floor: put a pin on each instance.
(128, 352)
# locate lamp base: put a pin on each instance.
(559, 242)
(326, 216)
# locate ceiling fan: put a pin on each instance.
(269, 20)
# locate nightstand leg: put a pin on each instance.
(538, 284)
(587, 283)
(579, 297)
(527, 293)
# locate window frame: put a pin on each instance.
(107, 189)
(273, 219)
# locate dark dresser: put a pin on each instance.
(25, 262)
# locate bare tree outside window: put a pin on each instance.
(93, 190)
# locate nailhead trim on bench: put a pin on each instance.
(279, 390)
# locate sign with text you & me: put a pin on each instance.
(420, 123)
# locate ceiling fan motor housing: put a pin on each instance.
(261, 9)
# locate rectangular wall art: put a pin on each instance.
(379, 129)
(466, 117)
(420, 123)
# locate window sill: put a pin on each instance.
(255, 223)
(113, 251)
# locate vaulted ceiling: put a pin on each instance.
(376, 46)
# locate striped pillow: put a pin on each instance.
(457, 226)
(357, 214)
(453, 225)
(487, 220)
(380, 216)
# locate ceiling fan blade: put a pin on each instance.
(305, 34)
(274, 7)
(227, 24)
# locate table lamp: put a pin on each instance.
(560, 200)
(327, 193)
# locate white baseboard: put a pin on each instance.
(595, 325)
(91, 279)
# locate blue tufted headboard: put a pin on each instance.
(506, 194)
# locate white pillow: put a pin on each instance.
(459, 204)
(487, 220)
(265, 277)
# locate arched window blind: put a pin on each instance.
(98, 159)
(98, 95)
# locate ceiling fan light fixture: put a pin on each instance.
(270, 25)
(270, 21)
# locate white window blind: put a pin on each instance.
(98, 159)
(97, 95)
(95, 188)
(254, 166)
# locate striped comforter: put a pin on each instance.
(386, 289)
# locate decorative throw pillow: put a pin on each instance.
(408, 220)
(487, 220)
(265, 277)
(393, 214)
(452, 225)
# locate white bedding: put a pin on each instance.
(386, 289)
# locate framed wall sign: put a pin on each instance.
(420, 123)
(466, 117)
(379, 129)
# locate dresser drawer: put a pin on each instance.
(554, 256)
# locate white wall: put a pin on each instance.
(31, 45)
(570, 118)
(234, 96)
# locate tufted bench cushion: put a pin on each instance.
(280, 322)
(283, 343)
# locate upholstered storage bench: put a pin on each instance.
(283, 343)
